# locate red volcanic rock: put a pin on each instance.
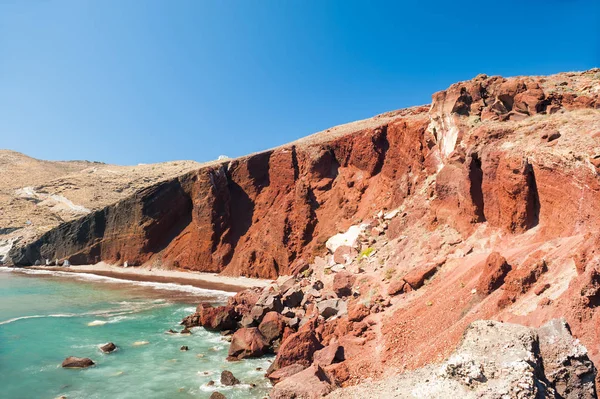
(395, 288)
(311, 383)
(285, 372)
(342, 283)
(329, 354)
(520, 280)
(358, 311)
(272, 326)
(416, 277)
(247, 342)
(244, 301)
(510, 193)
(217, 318)
(494, 271)
(297, 348)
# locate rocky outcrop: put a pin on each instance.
(497, 360)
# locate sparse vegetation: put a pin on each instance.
(389, 273)
(366, 252)
(307, 273)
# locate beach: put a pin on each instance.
(210, 281)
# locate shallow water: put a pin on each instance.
(44, 319)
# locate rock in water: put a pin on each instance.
(108, 348)
(184, 348)
(228, 379)
(217, 395)
(73, 362)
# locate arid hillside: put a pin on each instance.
(37, 195)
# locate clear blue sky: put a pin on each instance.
(129, 81)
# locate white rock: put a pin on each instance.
(349, 238)
(391, 215)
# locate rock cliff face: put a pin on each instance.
(258, 216)
(487, 150)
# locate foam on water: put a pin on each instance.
(94, 277)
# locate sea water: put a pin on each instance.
(45, 318)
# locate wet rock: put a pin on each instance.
(342, 284)
(217, 395)
(186, 331)
(286, 372)
(73, 362)
(309, 383)
(184, 348)
(108, 348)
(246, 343)
(171, 331)
(271, 327)
(228, 379)
(494, 271)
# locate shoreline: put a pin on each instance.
(210, 281)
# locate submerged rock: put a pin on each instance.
(108, 348)
(217, 395)
(228, 379)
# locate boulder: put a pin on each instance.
(396, 287)
(416, 277)
(73, 362)
(344, 254)
(217, 395)
(494, 271)
(286, 372)
(270, 302)
(217, 318)
(357, 311)
(311, 383)
(228, 379)
(108, 348)
(247, 342)
(566, 363)
(184, 348)
(329, 355)
(342, 284)
(331, 307)
(297, 348)
(349, 238)
(285, 283)
(293, 297)
(272, 326)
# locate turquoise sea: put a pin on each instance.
(45, 317)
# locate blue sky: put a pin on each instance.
(144, 81)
